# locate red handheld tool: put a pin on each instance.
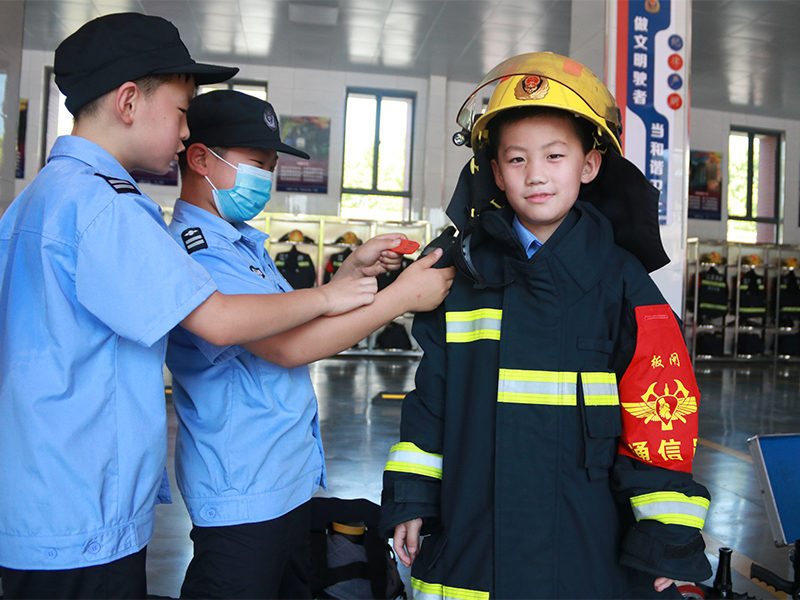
(406, 247)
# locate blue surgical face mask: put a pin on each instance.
(247, 197)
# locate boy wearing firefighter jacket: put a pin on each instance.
(546, 451)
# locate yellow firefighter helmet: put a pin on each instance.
(543, 79)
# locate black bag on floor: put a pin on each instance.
(710, 344)
(349, 560)
(789, 344)
(750, 344)
(393, 337)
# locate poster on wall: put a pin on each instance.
(311, 135)
(705, 185)
(22, 131)
(650, 89)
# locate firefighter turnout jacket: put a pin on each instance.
(549, 441)
(297, 268)
(712, 295)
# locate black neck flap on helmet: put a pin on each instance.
(620, 192)
(624, 196)
(475, 193)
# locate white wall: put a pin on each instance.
(709, 130)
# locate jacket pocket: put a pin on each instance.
(603, 345)
(602, 420)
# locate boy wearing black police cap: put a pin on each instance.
(90, 285)
(249, 454)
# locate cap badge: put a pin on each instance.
(532, 87)
(270, 118)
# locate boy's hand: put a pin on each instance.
(406, 537)
(346, 294)
(662, 583)
(423, 286)
(373, 257)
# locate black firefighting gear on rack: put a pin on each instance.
(789, 310)
(393, 337)
(712, 299)
(333, 264)
(752, 295)
(789, 313)
(297, 267)
(710, 344)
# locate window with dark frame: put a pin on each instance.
(378, 142)
(754, 185)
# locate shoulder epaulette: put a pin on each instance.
(193, 240)
(121, 186)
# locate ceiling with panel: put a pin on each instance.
(745, 53)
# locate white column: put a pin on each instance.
(11, 27)
(436, 140)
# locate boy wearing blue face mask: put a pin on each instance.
(248, 454)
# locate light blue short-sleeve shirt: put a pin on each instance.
(248, 447)
(91, 283)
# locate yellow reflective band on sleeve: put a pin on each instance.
(405, 457)
(437, 591)
(552, 388)
(671, 508)
(600, 389)
(473, 325)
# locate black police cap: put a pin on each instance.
(110, 50)
(231, 119)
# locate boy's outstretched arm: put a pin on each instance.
(658, 398)
(406, 541)
(419, 288)
(226, 320)
(412, 478)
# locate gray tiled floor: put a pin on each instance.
(738, 401)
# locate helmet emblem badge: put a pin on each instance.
(532, 87)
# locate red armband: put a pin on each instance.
(659, 394)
